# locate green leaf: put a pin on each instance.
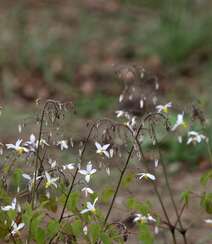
(17, 177)
(105, 238)
(143, 208)
(206, 202)
(185, 196)
(77, 228)
(53, 228)
(73, 201)
(94, 230)
(107, 194)
(145, 235)
(206, 177)
(127, 179)
(40, 236)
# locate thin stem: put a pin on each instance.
(168, 184)
(118, 185)
(73, 180)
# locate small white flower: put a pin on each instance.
(31, 180)
(10, 207)
(180, 122)
(108, 171)
(180, 139)
(131, 123)
(102, 149)
(32, 144)
(52, 163)
(63, 144)
(88, 172)
(143, 219)
(68, 166)
(50, 181)
(146, 176)
(87, 191)
(164, 108)
(19, 128)
(111, 152)
(141, 103)
(15, 228)
(120, 113)
(90, 207)
(121, 98)
(208, 221)
(195, 137)
(85, 230)
(156, 163)
(17, 147)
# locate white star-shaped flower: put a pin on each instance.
(17, 147)
(50, 181)
(15, 228)
(146, 176)
(180, 122)
(63, 144)
(31, 180)
(164, 108)
(143, 219)
(32, 143)
(10, 207)
(68, 166)
(90, 207)
(195, 137)
(87, 191)
(102, 149)
(208, 221)
(88, 172)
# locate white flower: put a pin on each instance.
(88, 172)
(10, 207)
(68, 166)
(17, 147)
(50, 181)
(31, 143)
(31, 180)
(43, 143)
(143, 219)
(208, 221)
(131, 123)
(15, 228)
(195, 137)
(180, 122)
(102, 149)
(90, 207)
(121, 98)
(108, 171)
(63, 144)
(141, 103)
(180, 139)
(52, 163)
(120, 113)
(85, 230)
(156, 163)
(146, 176)
(164, 108)
(87, 191)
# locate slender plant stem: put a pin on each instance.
(73, 180)
(168, 185)
(118, 185)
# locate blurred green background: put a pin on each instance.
(68, 50)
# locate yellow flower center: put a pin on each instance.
(47, 184)
(165, 110)
(185, 125)
(20, 150)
